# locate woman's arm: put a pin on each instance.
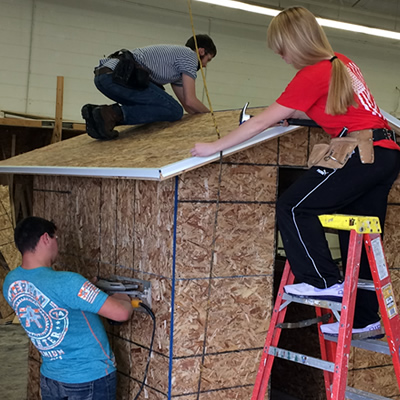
(269, 117)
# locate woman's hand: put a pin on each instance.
(203, 149)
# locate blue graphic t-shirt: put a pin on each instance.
(58, 310)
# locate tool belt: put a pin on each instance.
(335, 154)
(128, 72)
(102, 71)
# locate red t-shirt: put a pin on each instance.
(308, 92)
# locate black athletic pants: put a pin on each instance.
(355, 189)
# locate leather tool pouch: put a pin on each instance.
(333, 155)
(128, 72)
(365, 145)
(338, 151)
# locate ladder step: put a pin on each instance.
(301, 359)
(375, 345)
(356, 394)
(333, 305)
(366, 284)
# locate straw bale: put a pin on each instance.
(189, 317)
(108, 218)
(248, 183)
(154, 219)
(195, 224)
(223, 370)
(381, 381)
(293, 149)
(239, 393)
(161, 306)
(34, 380)
(125, 227)
(263, 153)
(392, 236)
(240, 310)
(245, 240)
(200, 184)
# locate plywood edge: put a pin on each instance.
(157, 173)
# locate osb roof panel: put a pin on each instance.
(152, 151)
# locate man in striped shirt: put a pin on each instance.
(141, 104)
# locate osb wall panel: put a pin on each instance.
(239, 313)
(293, 148)
(195, 228)
(381, 381)
(264, 153)
(245, 240)
(141, 323)
(248, 183)
(392, 236)
(154, 215)
(229, 394)
(224, 370)
(191, 305)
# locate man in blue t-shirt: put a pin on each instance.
(143, 99)
(59, 311)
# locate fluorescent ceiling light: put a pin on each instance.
(238, 5)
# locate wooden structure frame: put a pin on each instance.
(205, 238)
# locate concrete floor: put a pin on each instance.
(13, 362)
(14, 365)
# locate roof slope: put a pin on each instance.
(152, 151)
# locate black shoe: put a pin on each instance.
(106, 118)
(87, 115)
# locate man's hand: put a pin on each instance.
(203, 149)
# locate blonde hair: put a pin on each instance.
(296, 32)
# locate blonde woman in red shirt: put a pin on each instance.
(328, 88)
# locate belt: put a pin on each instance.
(377, 134)
(102, 70)
(383, 134)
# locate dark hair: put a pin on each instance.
(204, 42)
(28, 232)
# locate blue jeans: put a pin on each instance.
(101, 389)
(140, 106)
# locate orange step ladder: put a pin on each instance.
(335, 351)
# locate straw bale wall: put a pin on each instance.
(206, 241)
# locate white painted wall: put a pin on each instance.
(41, 39)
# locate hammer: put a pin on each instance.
(291, 121)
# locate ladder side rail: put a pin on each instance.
(327, 348)
(272, 339)
(347, 316)
(385, 295)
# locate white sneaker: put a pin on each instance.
(334, 292)
(333, 330)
